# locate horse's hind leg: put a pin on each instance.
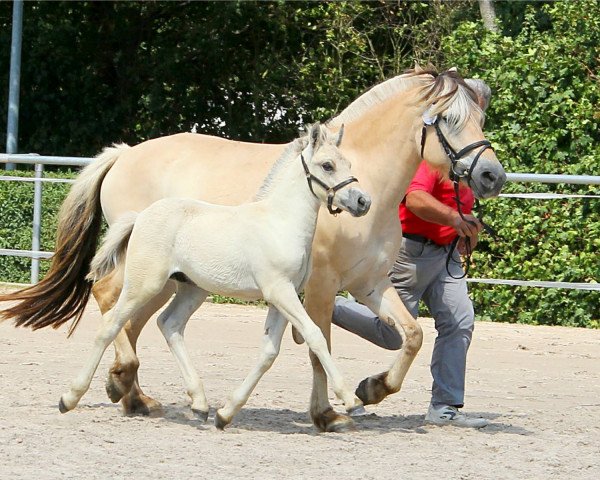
(124, 374)
(172, 324)
(122, 383)
(130, 300)
(274, 327)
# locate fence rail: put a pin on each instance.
(40, 160)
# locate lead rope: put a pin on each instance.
(466, 263)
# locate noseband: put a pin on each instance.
(455, 177)
(330, 190)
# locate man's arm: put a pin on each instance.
(427, 207)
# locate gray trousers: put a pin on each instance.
(420, 273)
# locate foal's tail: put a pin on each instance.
(64, 291)
(113, 247)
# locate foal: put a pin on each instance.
(255, 250)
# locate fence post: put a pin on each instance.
(12, 123)
(37, 222)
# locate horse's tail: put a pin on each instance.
(64, 291)
(113, 247)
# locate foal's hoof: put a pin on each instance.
(62, 408)
(333, 422)
(373, 389)
(220, 422)
(200, 414)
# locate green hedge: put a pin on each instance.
(16, 221)
(544, 118)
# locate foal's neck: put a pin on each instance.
(288, 197)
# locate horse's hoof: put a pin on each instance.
(113, 392)
(200, 414)
(62, 408)
(358, 411)
(342, 424)
(220, 422)
(373, 389)
(331, 421)
(141, 405)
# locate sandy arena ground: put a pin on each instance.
(539, 387)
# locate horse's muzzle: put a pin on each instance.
(359, 204)
(487, 179)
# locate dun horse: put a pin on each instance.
(386, 137)
(256, 250)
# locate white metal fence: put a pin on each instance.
(39, 161)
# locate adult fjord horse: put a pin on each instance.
(385, 138)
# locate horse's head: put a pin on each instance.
(328, 173)
(451, 138)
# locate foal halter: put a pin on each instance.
(455, 177)
(330, 190)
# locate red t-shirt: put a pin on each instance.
(431, 182)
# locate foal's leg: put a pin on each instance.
(386, 303)
(122, 383)
(285, 299)
(172, 324)
(274, 327)
(112, 323)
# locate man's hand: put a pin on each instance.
(469, 227)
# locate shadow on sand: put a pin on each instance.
(287, 422)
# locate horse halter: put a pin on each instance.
(452, 154)
(330, 190)
(455, 177)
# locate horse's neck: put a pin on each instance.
(290, 201)
(384, 153)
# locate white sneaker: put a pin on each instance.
(448, 415)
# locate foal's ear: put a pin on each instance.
(484, 93)
(315, 135)
(338, 141)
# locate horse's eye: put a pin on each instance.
(328, 167)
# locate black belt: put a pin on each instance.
(420, 239)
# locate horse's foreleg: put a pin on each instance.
(274, 327)
(287, 302)
(386, 303)
(319, 298)
(172, 324)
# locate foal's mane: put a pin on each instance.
(444, 93)
(290, 153)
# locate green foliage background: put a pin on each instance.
(101, 72)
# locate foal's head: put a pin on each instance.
(451, 133)
(328, 173)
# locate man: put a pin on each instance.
(430, 222)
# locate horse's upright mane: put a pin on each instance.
(445, 92)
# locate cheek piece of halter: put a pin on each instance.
(455, 177)
(330, 190)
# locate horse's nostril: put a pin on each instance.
(490, 177)
(362, 201)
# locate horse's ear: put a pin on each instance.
(481, 89)
(338, 141)
(315, 135)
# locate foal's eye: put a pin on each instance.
(328, 167)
